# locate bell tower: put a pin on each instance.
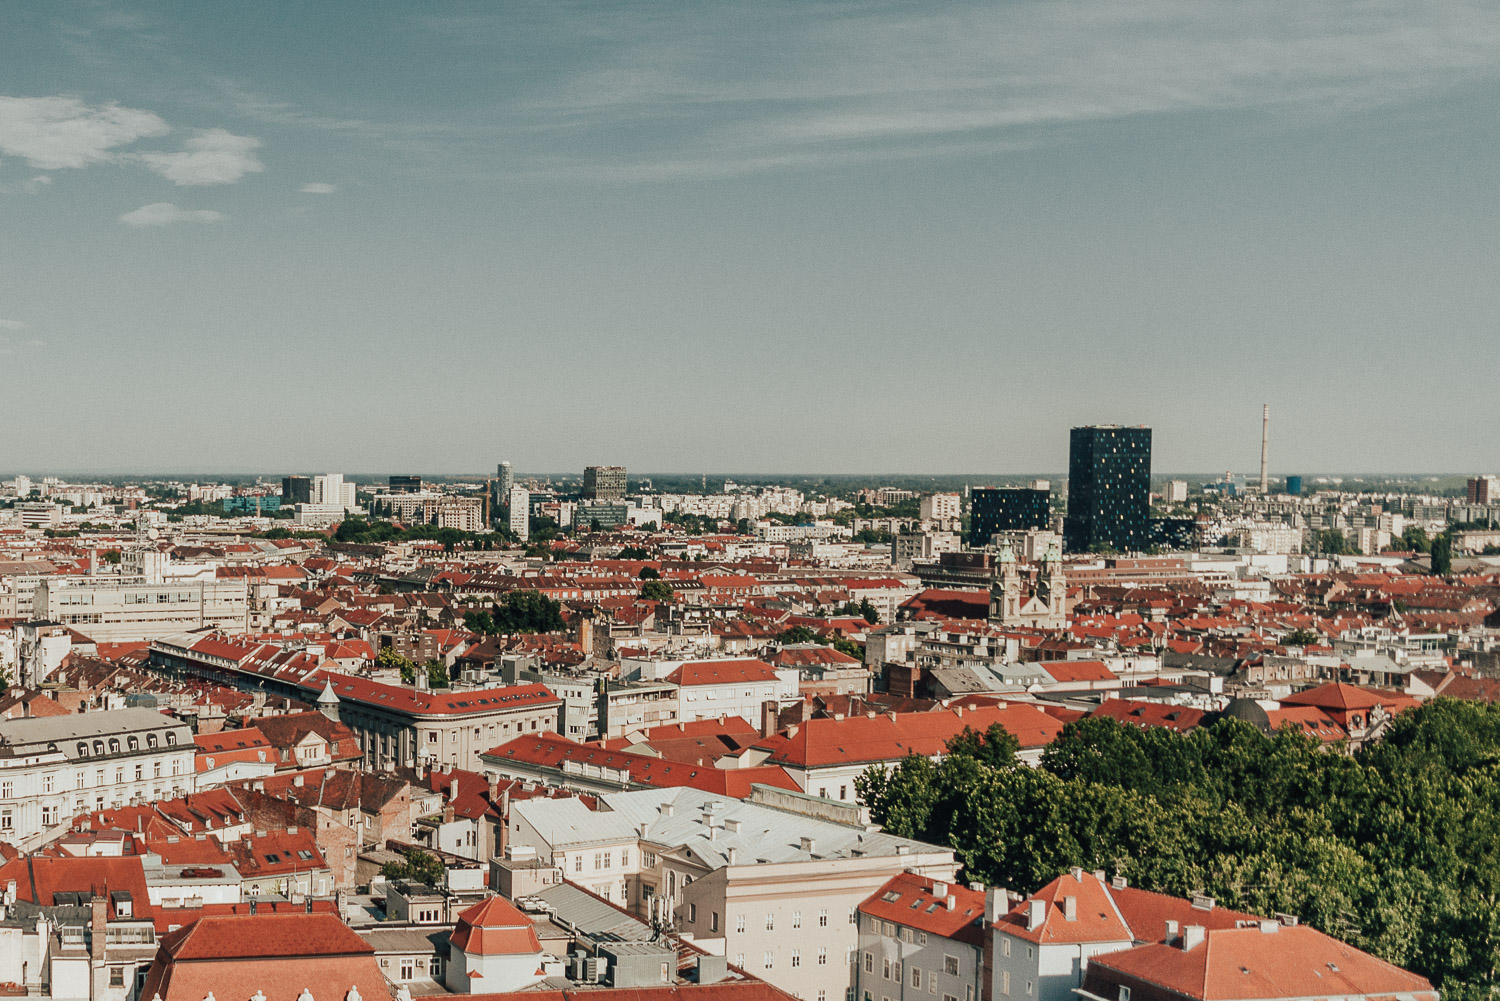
(1005, 587)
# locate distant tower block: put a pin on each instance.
(1265, 443)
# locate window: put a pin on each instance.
(869, 963)
(139, 771)
(916, 977)
(114, 745)
(7, 790)
(78, 779)
(739, 922)
(796, 919)
(1004, 945)
(578, 863)
(823, 957)
(770, 922)
(896, 971)
(739, 960)
(796, 957)
(598, 861)
(770, 960)
(853, 916)
(949, 997)
(134, 743)
(648, 860)
(47, 782)
(1028, 988)
(408, 969)
(885, 968)
(823, 919)
(932, 982)
(434, 967)
(969, 993)
(625, 858)
(950, 965)
(150, 740)
(607, 857)
(1005, 982)
(117, 976)
(713, 920)
(692, 913)
(49, 816)
(1124, 993)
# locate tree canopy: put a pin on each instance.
(1395, 848)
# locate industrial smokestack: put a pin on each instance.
(1265, 442)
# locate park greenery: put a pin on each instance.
(517, 612)
(436, 671)
(1394, 848)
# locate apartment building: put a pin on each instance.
(114, 612)
(53, 768)
(773, 883)
(921, 937)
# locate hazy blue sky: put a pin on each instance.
(761, 236)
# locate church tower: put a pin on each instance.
(1005, 587)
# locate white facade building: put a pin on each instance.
(520, 512)
(52, 768)
(112, 612)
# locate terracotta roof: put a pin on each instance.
(1141, 712)
(855, 739)
(280, 955)
(432, 702)
(1095, 916)
(910, 899)
(494, 927)
(1337, 695)
(550, 750)
(1263, 962)
(721, 672)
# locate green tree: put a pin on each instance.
(528, 612)
(479, 621)
(657, 590)
(649, 573)
(416, 866)
(867, 611)
(1301, 637)
(1442, 555)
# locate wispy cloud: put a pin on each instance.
(318, 188)
(214, 156)
(165, 214)
(53, 133)
(12, 325)
(34, 185)
(717, 90)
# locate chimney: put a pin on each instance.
(809, 845)
(939, 888)
(996, 904)
(1070, 908)
(950, 902)
(730, 853)
(1192, 937)
(1036, 913)
(1078, 873)
(98, 917)
(1171, 935)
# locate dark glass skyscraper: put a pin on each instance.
(1005, 509)
(1109, 489)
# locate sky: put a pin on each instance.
(777, 236)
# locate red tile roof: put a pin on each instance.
(433, 702)
(550, 750)
(721, 672)
(910, 899)
(494, 927)
(1261, 962)
(1141, 712)
(1095, 916)
(856, 739)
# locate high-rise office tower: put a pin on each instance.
(406, 484)
(504, 480)
(1006, 509)
(603, 482)
(296, 490)
(1109, 489)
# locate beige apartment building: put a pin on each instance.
(113, 612)
(773, 883)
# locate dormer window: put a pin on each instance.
(83, 749)
(150, 740)
(114, 745)
(98, 747)
(171, 739)
(134, 743)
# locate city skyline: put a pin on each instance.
(285, 236)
